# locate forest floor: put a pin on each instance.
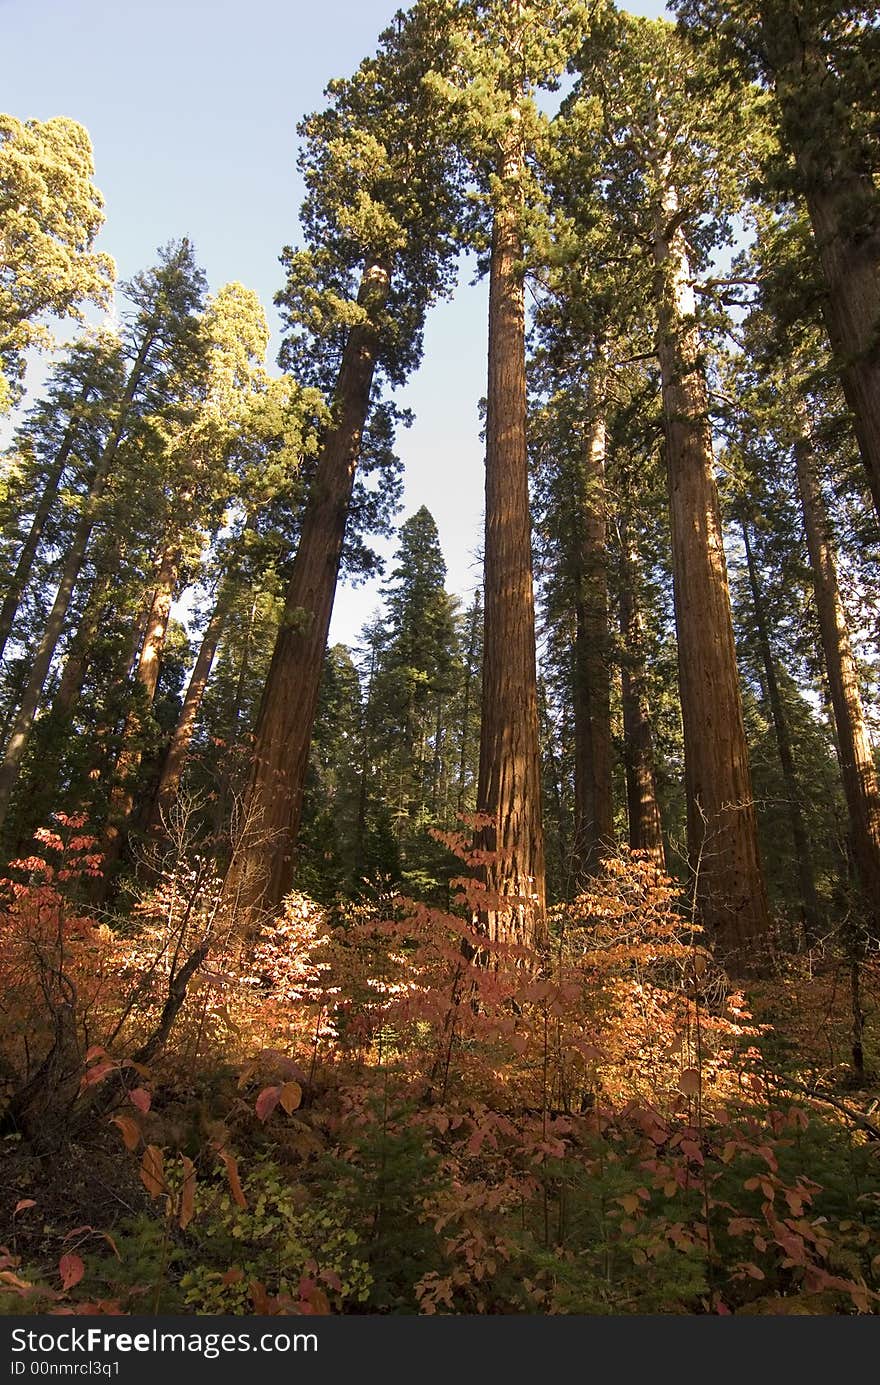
(356, 1119)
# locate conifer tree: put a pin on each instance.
(378, 218)
(161, 333)
(822, 60)
(50, 214)
(673, 180)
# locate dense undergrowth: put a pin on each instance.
(373, 1110)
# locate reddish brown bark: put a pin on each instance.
(261, 871)
(722, 828)
(854, 745)
(509, 786)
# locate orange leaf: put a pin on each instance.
(290, 1096)
(140, 1097)
(130, 1131)
(234, 1180)
(23, 1205)
(629, 1202)
(71, 1269)
(232, 1276)
(187, 1193)
(153, 1171)
(689, 1081)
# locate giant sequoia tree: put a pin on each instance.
(670, 166)
(504, 54)
(378, 218)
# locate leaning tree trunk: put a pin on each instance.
(854, 745)
(800, 837)
(261, 870)
(643, 810)
(24, 721)
(837, 171)
(25, 563)
(722, 826)
(147, 676)
(509, 785)
(591, 703)
(178, 749)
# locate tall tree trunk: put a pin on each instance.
(29, 548)
(800, 836)
(854, 746)
(509, 786)
(722, 824)
(593, 798)
(261, 870)
(837, 171)
(24, 721)
(147, 676)
(178, 749)
(643, 810)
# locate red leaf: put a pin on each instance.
(23, 1205)
(140, 1097)
(266, 1102)
(71, 1269)
(232, 1276)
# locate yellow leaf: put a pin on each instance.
(290, 1096)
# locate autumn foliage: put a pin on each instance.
(380, 1110)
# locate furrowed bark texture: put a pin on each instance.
(261, 872)
(722, 826)
(854, 746)
(509, 785)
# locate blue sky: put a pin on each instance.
(192, 109)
